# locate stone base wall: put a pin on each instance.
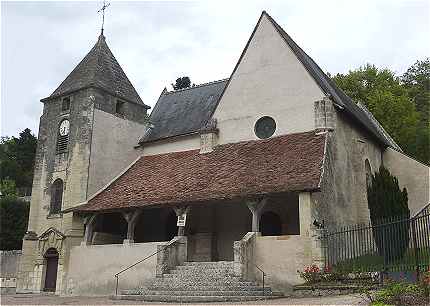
(92, 268)
(9, 262)
(280, 257)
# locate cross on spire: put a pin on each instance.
(102, 10)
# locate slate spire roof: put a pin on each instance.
(99, 69)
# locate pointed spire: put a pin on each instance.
(100, 69)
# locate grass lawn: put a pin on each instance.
(375, 262)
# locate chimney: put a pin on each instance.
(208, 136)
(324, 115)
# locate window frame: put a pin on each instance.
(258, 126)
(65, 101)
(57, 191)
(120, 108)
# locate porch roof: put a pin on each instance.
(286, 163)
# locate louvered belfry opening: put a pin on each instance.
(62, 143)
(56, 196)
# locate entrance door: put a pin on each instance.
(51, 258)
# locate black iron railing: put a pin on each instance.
(391, 244)
(139, 262)
(263, 274)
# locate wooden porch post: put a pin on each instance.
(179, 212)
(131, 218)
(89, 222)
(256, 207)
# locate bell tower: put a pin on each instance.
(87, 134)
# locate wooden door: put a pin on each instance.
(51, 271)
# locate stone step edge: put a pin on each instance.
(331, 287)
(205, 292)
(209, 288)
(191, 299)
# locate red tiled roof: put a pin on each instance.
(245, 169)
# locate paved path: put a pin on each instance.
(43, 299)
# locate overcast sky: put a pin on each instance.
(155, 42)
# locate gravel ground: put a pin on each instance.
(44, 299)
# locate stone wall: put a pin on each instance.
(411, 174)
(280, 257)
(92, 268)
(175, 144)
(268, 81)
(9, 262)
(343, 196)
(112, 148)
(74, 168)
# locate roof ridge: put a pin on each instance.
(195, 86)
(328, 86)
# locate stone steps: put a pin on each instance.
(196, 282)
(209, 287)
(187, 283)
(191, 299)
(212, 292)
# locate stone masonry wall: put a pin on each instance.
(9, 261)
(73, 168)
(343, 196)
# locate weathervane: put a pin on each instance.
(103, 12)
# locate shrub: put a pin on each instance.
(400, 293)
(311, 274)
(314, 274)
(386, 200)
(424, 282)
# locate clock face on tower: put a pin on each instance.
(64, 127)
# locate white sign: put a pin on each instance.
(182, 219)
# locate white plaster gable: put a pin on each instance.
(269, 80)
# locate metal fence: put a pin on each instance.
(392, 244)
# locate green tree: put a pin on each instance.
(386, 201)
(181, 83)
(17, 158)
(416, 80)
(384, 95)
(14, 220)
(7, 187)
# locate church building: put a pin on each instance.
(236, 175)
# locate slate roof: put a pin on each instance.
(100, 69)
(329, 87)
(184, 111)
(291, 162)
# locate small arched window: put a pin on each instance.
(368, 170)
(56, 196)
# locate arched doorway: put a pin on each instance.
(270, 224)
(51, 259)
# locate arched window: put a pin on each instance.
(270, 224)
(368, 170)
(56, 196)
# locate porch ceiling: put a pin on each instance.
(252, 168)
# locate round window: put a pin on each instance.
(265, 127)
